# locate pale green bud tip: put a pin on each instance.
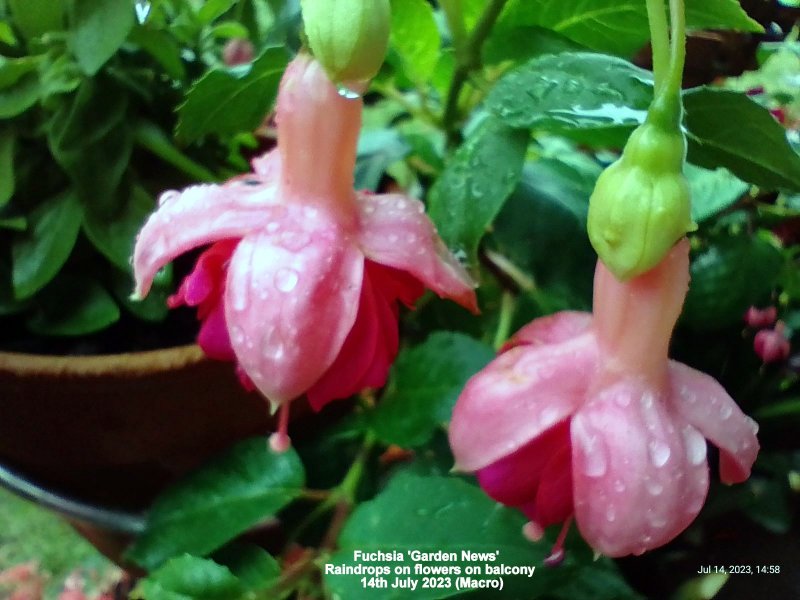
(349, 37)
(640, 206)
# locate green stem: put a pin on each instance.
(508, 305)
(468, 58)
(659, 40)
(454, 16)
(150, 137)
(678, 55)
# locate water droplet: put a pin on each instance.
(659, 452)
(351, 89)
(294, 241)
(753, 425)
(549, 416)
(411, 238)
(286, 279)
(273, 226)
(167, 196)
(725, 411)
(239, 293)
(611, 514)
(237, 335)
(595, 463)
(393, 239)
(142, 8)
(695, 445)
(654, 488)
(619, 485)
(623, 399)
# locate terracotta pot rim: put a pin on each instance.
(122, 364)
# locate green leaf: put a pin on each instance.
(8, 304)
(620, 26)
(7, 34)
(154, 307)
(13, 69)
(189, 578)
(218, 502)
(542, 229)
(432, 514)
(377, 150)
(91, 138)
(415, 37)
(256, 569)
(14, 223)
(19, 97)
(73, 305)
(213, 9)
(7, 143)
(98, 30)
(162, 47)
(728, 277)
(229, 30)
(476, 182)
(573, 90)
(114, 235)
(232, 100)
(712, 191)
(731, 130)
(509, 41)
(424, 385)
(39, 254)
(35, 17)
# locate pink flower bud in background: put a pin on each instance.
(771, 345)
(760, 317)
(237, 51)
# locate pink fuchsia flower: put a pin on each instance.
(305, 275)
(771, 345)
(584, 416)
(760, 317)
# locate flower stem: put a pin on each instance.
(468, 57)
(151, 138)
(508, 305)
(659, 39)
(678, 54)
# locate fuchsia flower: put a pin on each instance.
(771, 345)
(303, 281)
(584, 416)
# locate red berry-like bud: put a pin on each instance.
(759, 318)
(771, 345)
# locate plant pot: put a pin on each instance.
(115, 430)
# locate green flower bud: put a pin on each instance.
(640, 206)
(349, 37)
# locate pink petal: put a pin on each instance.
(517, 397)
(213, 337)
(345, 375)
(200, 215)
(640, 473)
(515, 479)
(268, 165)
(558, 327)
(291, 300)
(704, 403)
(396, 232)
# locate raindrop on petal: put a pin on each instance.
(695, 445)
(659, 453)
(286, 280)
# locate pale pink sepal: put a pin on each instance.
(704, 403)
(640, 473)
(290, 301)
(396, 232)
(517, 397)
(198, 216)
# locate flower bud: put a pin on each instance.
(349, 37)
(771, 345)
(640, 206)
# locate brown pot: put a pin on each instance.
(114, 430)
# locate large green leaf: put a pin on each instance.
(113, 235)
(254, 566)
(7, 143)
(729, 276)
(712, 191)
(232, 100)
(573, 90)
(189, 578)
(91, 138)
(415, 38)
(444, 514)
(35, 17)
(731, 130)
(424, 385)
(218, 502)
(19, 97)
(476, 182)
(620, 26)
(40, 252)
(98, 30)
(73, 305)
